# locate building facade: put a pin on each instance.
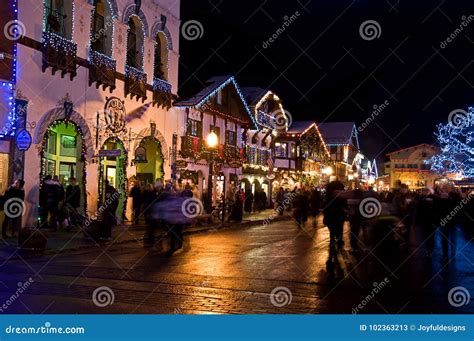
(91, 84)
(408, 166)
(219, 108)
(258, 170)
(301, 156)
(343, 143)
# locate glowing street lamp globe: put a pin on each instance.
(212, 140)
(328, 170)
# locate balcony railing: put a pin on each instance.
(135, 83)
(101, 70)
(162, 93)
(59, 53)
(191, 146)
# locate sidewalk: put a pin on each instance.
(62, 241)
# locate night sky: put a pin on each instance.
(324, 70)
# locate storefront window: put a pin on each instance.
(281, 149)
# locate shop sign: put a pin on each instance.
(140, 155)
(235, 164)
(110, 152)
(181, 163)
(23, 140)
(115, 114)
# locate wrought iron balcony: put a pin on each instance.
(135, 83)
(101, 70)
(60, 54)
(162, 93)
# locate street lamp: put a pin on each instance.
(212, 141)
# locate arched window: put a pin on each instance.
(102, 27)
(58, 17)
(160, 70)
(135, 42)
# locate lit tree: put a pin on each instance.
(456, 140)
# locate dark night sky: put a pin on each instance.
(323, 70)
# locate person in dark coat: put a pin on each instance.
(237, 210)
(248, 202)
(13, 207)
(334, 212)
(136, 194)
(301, 208)
(43, 201)
(149, 197)
(425, 219)
(280, 198)
(109, 209)
(315, 204)
(73, 200)
(54, 195)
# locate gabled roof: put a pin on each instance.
(418, 146)
(299, 127)
(253, 94)
(338, 132)
(213, 86)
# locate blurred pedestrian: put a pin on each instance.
(136, 195)
(13, 205)
(315, 204)
(72, 201)
(109, 211)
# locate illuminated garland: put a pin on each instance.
(10, 128)
(83, 158)
(456, 140)
(135, 74)
(60, 43)
(214, 93)
(98, 58)
(161, 85)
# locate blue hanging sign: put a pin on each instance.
(23, 140)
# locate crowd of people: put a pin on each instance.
(59, 207)
(391, 214)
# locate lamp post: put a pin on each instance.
(212, 141)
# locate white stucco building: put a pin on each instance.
(92, 82)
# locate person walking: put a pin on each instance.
(54, 195)
(136, 194)
(280, 198)
(13, 201)
(248, 202)
(301, 208)
(149, 197)
(334, 212)
(72, 201)
(315, 204)
(110, 204)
